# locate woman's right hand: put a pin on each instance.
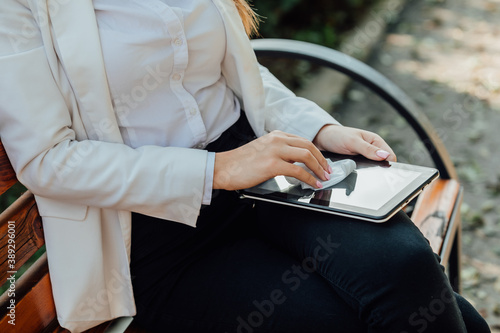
(266, 157)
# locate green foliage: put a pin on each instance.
(320, 21)
(11, 195)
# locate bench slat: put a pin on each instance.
(28, 232)
(33, 300)
(434, 208)
(7, 174)
(38, 306)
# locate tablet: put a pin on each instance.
(374, 191)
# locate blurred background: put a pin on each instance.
(446, 56)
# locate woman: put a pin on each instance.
(110, 107)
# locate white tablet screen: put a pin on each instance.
(375, 188)
(369, 188)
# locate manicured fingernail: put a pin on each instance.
(327, 175)
(319, 185)
(382, 154)
(330, 170)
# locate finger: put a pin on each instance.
(376, 148)
(384, 150)
(385, 153)
(372, 152)
(292, 170)
(297, 141)
(295, 154)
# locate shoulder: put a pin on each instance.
(19, 31)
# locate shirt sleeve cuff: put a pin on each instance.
(209, 179)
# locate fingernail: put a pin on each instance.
(330, 170)
(382, 154)
(319, 185)
(327, 175)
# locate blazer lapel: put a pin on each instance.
(77, 40)
(79, 46)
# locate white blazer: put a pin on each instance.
(61, 134)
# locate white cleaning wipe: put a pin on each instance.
(341, 169)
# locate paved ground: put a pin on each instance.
(446, 56)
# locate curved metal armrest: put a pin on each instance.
(370, 78)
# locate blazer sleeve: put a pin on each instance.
(36, 130)
(289, 113)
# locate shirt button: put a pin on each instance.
(178, 41)
(200, 146)
(193, 111)
(176, 77)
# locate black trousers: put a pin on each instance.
(257, 267)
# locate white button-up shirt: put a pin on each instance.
(163, 62)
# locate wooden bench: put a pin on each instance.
(436, 211)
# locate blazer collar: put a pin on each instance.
(77, 39)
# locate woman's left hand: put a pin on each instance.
(353, 141)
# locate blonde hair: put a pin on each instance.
(248, 16)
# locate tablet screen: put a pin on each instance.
(373, 190)
(369, 188)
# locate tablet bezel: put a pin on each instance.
(425, 176)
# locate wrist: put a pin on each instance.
(323, 135)
(221, 176)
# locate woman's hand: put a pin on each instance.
(266, 157)
(353, 141)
